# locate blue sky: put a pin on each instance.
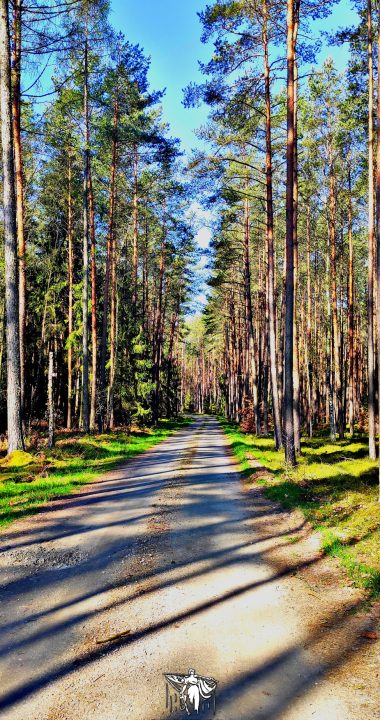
(169, 32)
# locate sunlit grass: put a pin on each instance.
(336, 487)
(34, 478)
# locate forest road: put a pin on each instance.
(172, 557)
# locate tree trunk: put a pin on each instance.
(249, 316)
(51, 400)
(330, 407)
(85, 359)
(113, 339)
(157, 348)
(296, 369)
(265, 390)
(134, 232)
(371, 246)
(290, 453)
(378, 224)
(77, 391)
(145, 283)
(93, 305)
(170, 401)
(351, 317)
(2, 338)
(109, 261)
(309, 362)
(15, 435)
(336, 379)
(270, 243)
(16, 116)
(70, 287)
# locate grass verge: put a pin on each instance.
(335, 485)
(28, 480)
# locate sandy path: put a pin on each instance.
(203, 574)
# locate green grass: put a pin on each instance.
(28, 480)
(336, 487)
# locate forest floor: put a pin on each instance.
(336, 487)
(169, 562)
(30, 479)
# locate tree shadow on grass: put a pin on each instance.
(334, 457)
(30, 490)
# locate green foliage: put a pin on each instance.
(75, 460)
(125, 113)
(335, 486)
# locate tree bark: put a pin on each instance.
(336, 379)
(378, 225)
(113, 339)
(249, 316)
(330, 407)
(290, 453)
(351, 317)
(296, 369)
(109, 261)
(69, 422)
(134, 232)
(85, 358)
(309, 362)
(16, 116)
(371, 245)
(15, 434)
(51, 400)
(270, 243)
(94, 336)
(157, 348)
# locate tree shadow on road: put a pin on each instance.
(101, 574)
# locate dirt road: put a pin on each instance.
(185, 568)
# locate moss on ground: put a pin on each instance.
(17, 459)
(27, 480)
(336, 487)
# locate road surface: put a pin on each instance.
(175, 560)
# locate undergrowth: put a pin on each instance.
(28, 480)
(336, 487)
